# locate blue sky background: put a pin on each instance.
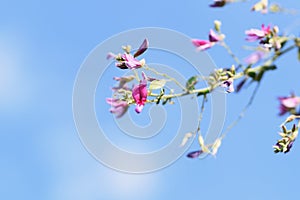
(42, 45)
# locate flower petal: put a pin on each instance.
(142, 48)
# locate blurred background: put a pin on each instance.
(42, 45)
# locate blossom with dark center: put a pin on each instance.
(257, 34)
(119, 107)
(288, 104)
(229, 85)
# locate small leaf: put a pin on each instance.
(190, 84)
(142, 48)
(299, 53)
(186, 138)
(157, 84)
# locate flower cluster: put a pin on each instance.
(285, 144)
(124, 95)
(127, 60)
(268, 37)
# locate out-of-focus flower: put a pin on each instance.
(255, 57)
(229, 85)
(261, 6)
(122, 82)
(257, 34)
(119, 107)
(213, 37)
(139, 94)
(220, 3)
(288, 104)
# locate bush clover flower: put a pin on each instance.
(213, 38)
(288, 104)
(257, 34)
(127, 60)
(119, 107)
(139, 94)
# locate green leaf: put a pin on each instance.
(157, 84)
(299, 53)
(190, 84)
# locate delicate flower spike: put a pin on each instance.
(229, 85)
(288, 103)
(194, 154)
(257, 34)
(139, 94)
(202, 44)
(119, 107)
(142, 48)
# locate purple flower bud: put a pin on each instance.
(142, 48)
(194, 154)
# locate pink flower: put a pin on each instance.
(228, 84)
(128, 61)
(202, 44)
(139, 94)
(288, 104)
(254, 57)
(119, 107)
(206, 44)
(256, 34)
